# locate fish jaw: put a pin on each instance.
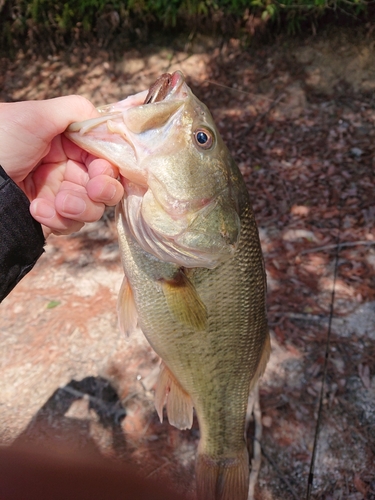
(128, 132)
(115, 135)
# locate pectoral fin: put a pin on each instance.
(126, 309)
(184, 302)
(179, 403)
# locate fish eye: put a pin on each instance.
(203, 138)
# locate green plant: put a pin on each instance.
(60, 22)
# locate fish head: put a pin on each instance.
(181, 199)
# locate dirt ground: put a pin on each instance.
(299, 118)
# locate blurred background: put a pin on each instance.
(291, 87)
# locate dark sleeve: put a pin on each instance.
(21, 236)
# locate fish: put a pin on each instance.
(194, 276)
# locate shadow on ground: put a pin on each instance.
(68, 416)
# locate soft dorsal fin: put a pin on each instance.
(126, 309)
(179, 403)
(184, 302)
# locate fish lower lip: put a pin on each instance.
(177, 80)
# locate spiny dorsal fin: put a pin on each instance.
(184, 302)
(179, 403)
(126, 309)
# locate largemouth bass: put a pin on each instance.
(194, 273)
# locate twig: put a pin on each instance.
(167, 462)
(281, 476)
(250, 406)
(320, 410)
(83, 395)
(320, 318)
(233, 89)
(339, 246)
(257, 452)
(260, 117)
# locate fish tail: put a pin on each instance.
(224, 478)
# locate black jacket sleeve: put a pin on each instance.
(21, 236)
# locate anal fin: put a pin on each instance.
(179, 403)
(126, 309)
(184, 302)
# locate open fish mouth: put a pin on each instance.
(164, 88)
(116, 134)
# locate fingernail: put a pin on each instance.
(73, 205)
(109, 171)
(108, 192)
(43, 209)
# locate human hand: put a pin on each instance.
(65, 185)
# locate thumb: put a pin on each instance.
(27, 129)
